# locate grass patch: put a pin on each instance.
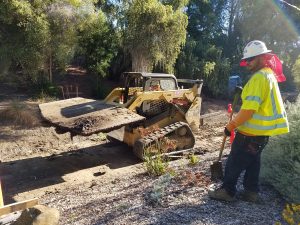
(18, 114)
(43, 97)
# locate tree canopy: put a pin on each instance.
(192, 39)
(155, 32)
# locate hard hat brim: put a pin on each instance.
(267, 51)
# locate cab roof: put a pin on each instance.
(144, 74)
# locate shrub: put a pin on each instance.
(155, 165)
(281, 158)
(296, 72)
(19, 114)
(155, 196)
(43, 89)
(291, 214)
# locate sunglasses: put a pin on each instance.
(249, 60)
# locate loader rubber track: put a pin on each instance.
(179, 131)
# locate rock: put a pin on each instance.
(38, 215)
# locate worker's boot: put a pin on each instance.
(250, 196)
(221, 194)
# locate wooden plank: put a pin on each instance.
(18, 206)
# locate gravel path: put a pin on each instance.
(140, 199)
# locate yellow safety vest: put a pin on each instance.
(261, 93)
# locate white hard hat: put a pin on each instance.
(254, 48)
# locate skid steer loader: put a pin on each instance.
(149, 109)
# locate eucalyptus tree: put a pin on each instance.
(202, 56)
(98, 43)
(154, 33)
(32, 33)
(65, 18)
(38, 35)
(24, 34)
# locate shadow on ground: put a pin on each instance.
(207, 212)
(33, 173)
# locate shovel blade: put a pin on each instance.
(216, 170)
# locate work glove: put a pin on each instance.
(227, 132)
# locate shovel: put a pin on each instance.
(216, 168)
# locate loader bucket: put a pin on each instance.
(86, 116)
(192, 116)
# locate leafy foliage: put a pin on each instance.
(281, 158)
(193, 159)
(202, 56)
(24, 34)
(154, 34)
(155, 165)
(296, 72)
(98, 43)
(37, 36)
(200, 38)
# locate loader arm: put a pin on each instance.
(168, 96)
(186, 101)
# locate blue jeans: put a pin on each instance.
(245, 155)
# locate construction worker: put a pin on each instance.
(262, 115)
(155, 86)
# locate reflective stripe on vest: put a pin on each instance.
(254, 98)
(275, 112)
(275, 115)
(272, 127)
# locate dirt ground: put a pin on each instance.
(92, 181)
(39, 158)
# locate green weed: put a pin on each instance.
(155, 165)
(102, 136)
(193, 159)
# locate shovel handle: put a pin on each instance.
(222, 147)
(235, 100)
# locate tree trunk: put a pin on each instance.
(140, 63)
(232, 11)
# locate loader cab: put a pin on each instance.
(143, 82)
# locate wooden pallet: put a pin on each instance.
(18, 206)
